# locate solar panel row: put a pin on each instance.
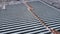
(18, 20)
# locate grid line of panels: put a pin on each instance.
(49, 15)
(17, 20)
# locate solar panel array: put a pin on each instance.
(16, 19)
(48, 14)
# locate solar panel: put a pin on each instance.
(16, 19)
(48, 14)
